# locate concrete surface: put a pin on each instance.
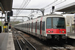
(71, 35)
(10, 43)
(6, 41)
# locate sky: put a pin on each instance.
(36, 4)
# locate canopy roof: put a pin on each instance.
(70, 8)
(6, 5)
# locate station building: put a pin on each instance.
(70, 23)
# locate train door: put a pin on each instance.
(43, 27)
(36, 28)
(40, 27)
(29, 26)
(32, 27)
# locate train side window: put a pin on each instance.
(32, 25)
(26, 25)
(29, 25)
(43, 26)
(37, 25)
(48, 23)
(22, 25)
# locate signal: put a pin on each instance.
(8, 15)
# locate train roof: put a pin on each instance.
(48, 15)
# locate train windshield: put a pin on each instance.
(58, 23)
(48, 23)
(55, 22)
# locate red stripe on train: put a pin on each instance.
(55, 31)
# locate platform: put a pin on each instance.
(6, 41)
(71, 35)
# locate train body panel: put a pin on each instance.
(55, 31)
(46, 26)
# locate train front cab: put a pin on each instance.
(55, 27)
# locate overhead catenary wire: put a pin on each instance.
(50, 4)
(55, 4)
(23, 5)
(17, 11)
(47, 5)
(50, 7)
(60, 3)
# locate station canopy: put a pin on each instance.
(6, 5)
(70, 8)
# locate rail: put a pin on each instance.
(18, 43)
(28, 43)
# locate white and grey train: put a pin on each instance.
(45, 27)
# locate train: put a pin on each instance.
(51, 26)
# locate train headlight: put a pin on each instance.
(62, 31)
(48, 31)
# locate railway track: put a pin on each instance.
(39, 44)
(23, 43)
(18, 43)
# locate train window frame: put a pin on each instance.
(32, 27)
(64, 23)
(36, 26)
(46, 22)
(43, 25)
(52, 22)
(40, 26)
